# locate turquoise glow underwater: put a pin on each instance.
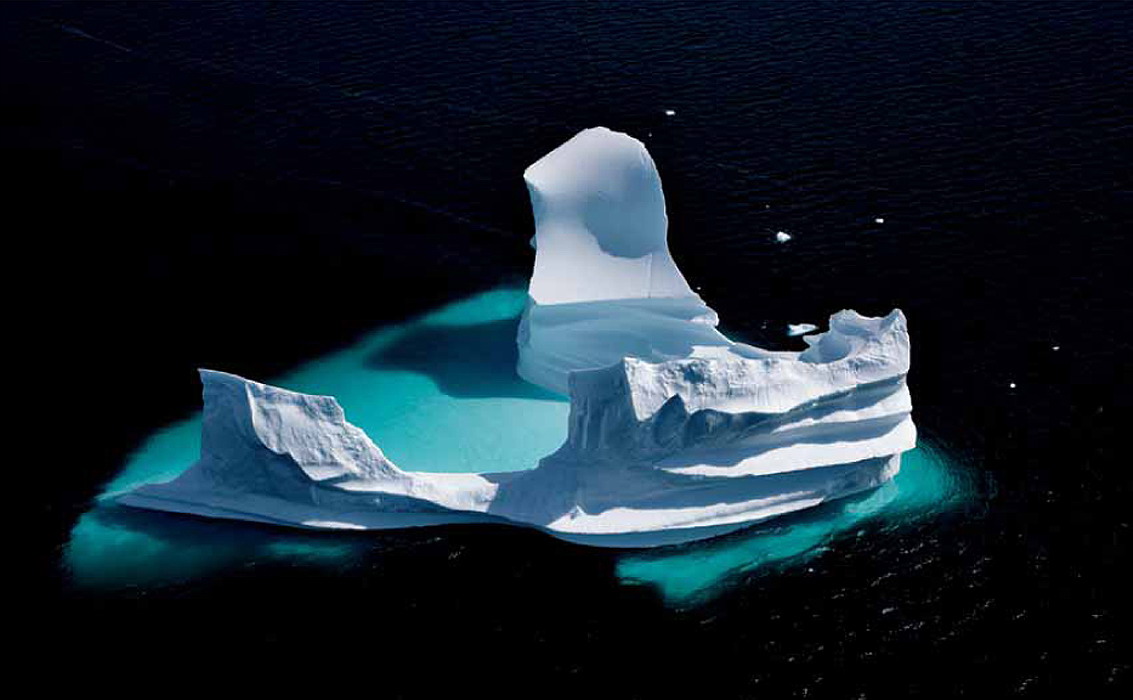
(440, 393)
(692, 573)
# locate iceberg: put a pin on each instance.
(675, 433)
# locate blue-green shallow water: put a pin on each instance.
(689, 574)
(439, 393)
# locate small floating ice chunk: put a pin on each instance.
(794, 329)
(1055, 347)
(782, 237)
(879, 220)
(1012, 385)
(670, 112)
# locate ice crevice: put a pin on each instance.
(675, 432)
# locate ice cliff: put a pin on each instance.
(675, 432)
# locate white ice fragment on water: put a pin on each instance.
(676, 432)
(794, 329)
(670, 112)
(879, 220)
(1055, 348)
(1012, 385)
(782, 236)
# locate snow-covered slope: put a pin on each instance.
(675, 432)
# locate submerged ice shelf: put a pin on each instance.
(684, 576)
(675, 432)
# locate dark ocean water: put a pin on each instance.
(248, 186)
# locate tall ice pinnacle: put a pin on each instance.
(605, 286)
(600, 223)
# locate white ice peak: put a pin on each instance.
(675, 433)
(605, 286)
(600, 224)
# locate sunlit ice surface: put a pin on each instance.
(440, 393)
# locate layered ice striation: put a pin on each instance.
(675, 432)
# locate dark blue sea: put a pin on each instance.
(251, 186)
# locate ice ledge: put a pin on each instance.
(280, 457)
